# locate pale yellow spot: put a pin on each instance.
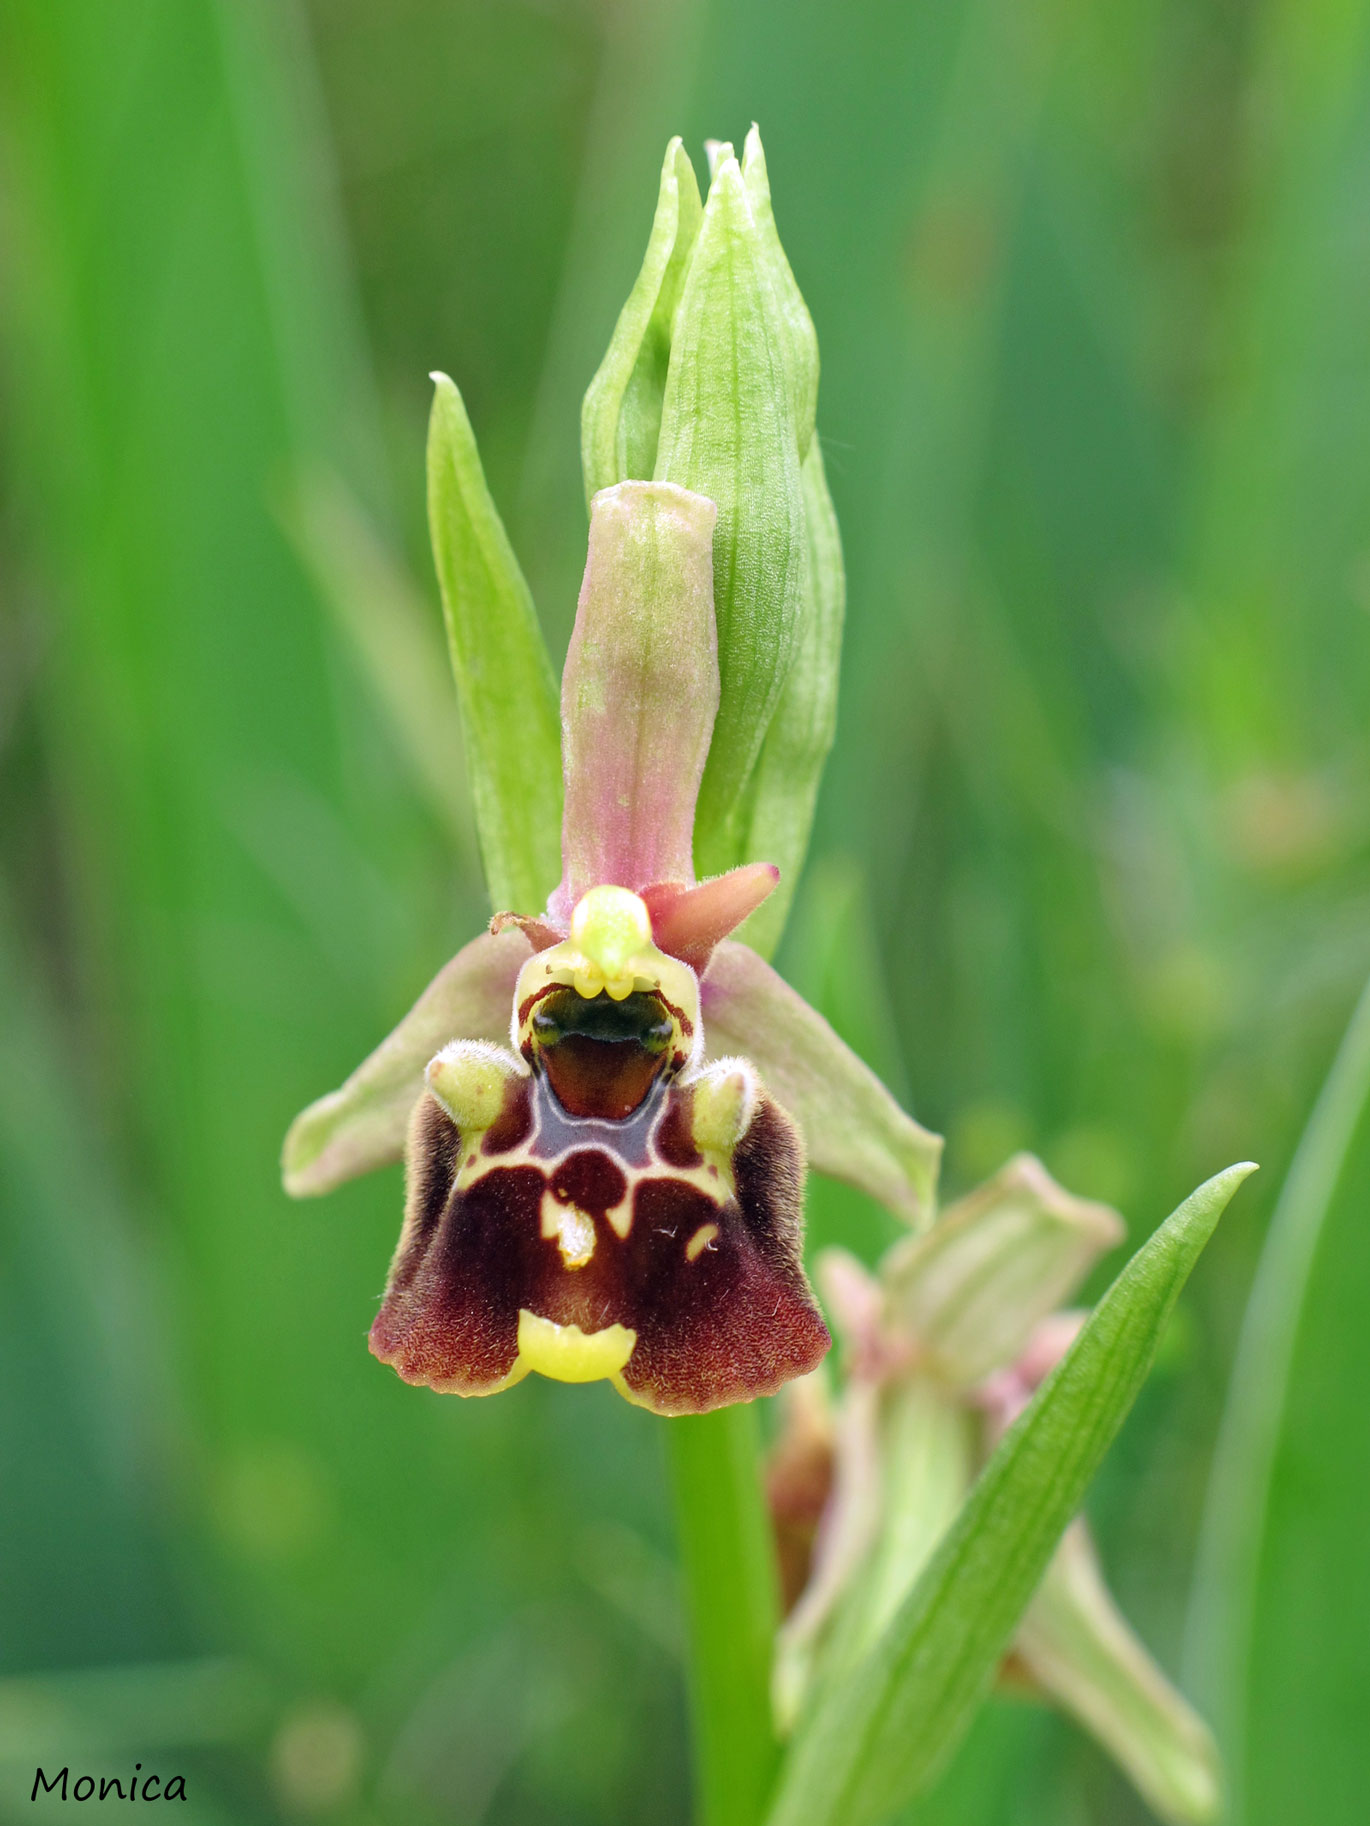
(575, 1237)
(573, 1229)
(568, 1354)
(621, 1217)
(704, 1238)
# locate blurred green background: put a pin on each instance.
(1091, 875)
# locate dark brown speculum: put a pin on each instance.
(601, 1056)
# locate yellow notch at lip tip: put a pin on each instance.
(568, 1354)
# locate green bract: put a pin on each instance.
(711, 381)
(620, 422)
(505, 685)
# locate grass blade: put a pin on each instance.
(1220, 1625)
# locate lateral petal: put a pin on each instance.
(362, 1125)
(853, 1128)
(689, 921)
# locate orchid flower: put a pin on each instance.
(943, 1349)
(605, 1101)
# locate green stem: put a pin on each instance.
(731, 1611)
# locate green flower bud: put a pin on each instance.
(784, 792)
(620, 422)
(711, 381)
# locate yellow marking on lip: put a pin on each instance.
(573, 1229)
(567, 1354)
(704, 1238)
(621, 1217)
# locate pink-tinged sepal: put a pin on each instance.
(639, 693)
(853, 1128)
(362, 1125)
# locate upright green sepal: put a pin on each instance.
(620, 420)
(729, 431)
(504, 678)
(785, 786)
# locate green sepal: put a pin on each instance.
(876, 1739)
(504, 678)
(1083, 1654)
(923, 1449)
(852, 1127)
(362, 1125)
(728, 431)
(785, 786)
(620, 420)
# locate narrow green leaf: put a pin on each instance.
(504, 677)
(728, 431)
(785, 787)
(1220, 1626)
(620, 420)
(877, 1739)
(732, 1610)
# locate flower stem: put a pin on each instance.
(731, 1611)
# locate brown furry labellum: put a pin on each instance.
(597, 1204)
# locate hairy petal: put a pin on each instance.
(639, 691)
(604, 1250)
(853, 1129)
(689, 921)
(363, 1124)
